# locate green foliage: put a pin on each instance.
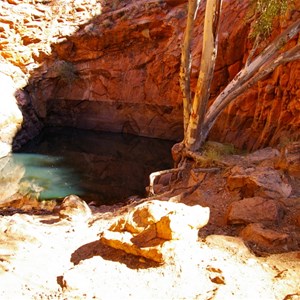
(212, 153)
(218, 149)
(66, 71)
(266, 11)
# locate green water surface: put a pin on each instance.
(102, 167)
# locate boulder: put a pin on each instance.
(289, 159)
(254, 210)
(74, 209)
(145, 229)
(264, 238)
(262, 155)
(152, 249)
(259, 181)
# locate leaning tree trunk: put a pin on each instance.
(261, 66)
(193, 135)
(198, 119)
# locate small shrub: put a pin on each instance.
(65, 71)
(266, 11)
(212, 153)
(219, 148)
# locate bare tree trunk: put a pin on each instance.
(185, 67)
(193, 134)
(198, 118)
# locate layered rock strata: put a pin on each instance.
(114, 66)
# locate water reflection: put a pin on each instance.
(101, 167)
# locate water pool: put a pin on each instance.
(102, 167)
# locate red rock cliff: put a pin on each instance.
(119, 71)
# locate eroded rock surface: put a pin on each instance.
(220, 256)
(11, 174)
(10, 115)
(74, 209)
(114, 66)
(259, 181)
(148, 229)
(290, 158)
(252, 210)
(266, 238)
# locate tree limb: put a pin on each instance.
(247, 77)
(267, 68)
(154, 175)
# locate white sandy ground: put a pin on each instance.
(44, 258)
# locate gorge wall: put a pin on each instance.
(113, 65)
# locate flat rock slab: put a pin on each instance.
(262, 154)
(259, 181)
(254, 210)
(265, 238)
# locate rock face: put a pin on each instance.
(114, 66)
(11, 174)
(10, 115)
(148, 229)
(27, 30)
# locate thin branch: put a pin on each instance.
(154, 175)
(207, 170)
(253, 50)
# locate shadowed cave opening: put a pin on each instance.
(102, 167)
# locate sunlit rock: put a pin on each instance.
(74, 209)
(145, 229)
(11, 174)
(10, 115)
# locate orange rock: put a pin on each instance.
(260, 181)
(127, 59)
(265, 238)
(254, 210)
(150, 227)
